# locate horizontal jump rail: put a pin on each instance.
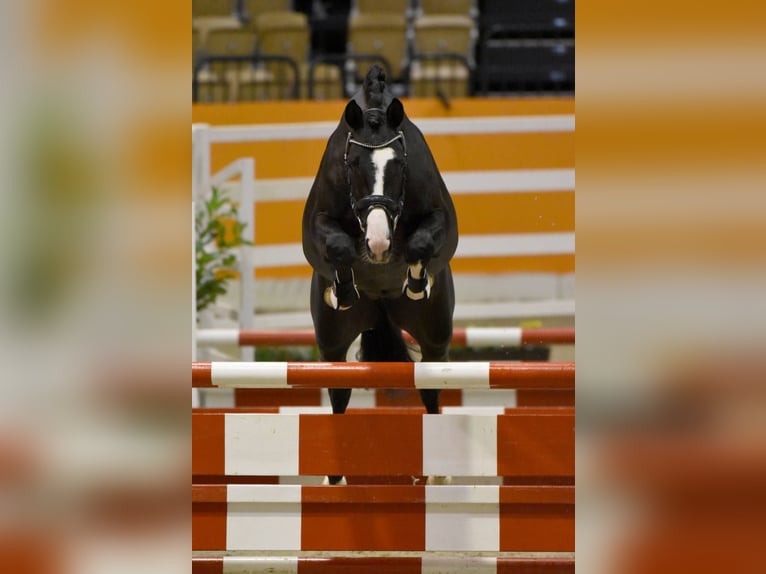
(383, 562)
(384, 518)
(462, 337)
(400, 375)
(524, 443)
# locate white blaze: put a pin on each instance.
(377, 222)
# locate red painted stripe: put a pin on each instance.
(363, 518)
(207, 565)
(209, 517)
(403, 398)
(548, 336)
(535, 565)
(278, 338)
(350, 375)
(360, 444)
(537, 519)
(202, 375)
(537, 398)
(208, 436)
(535, 444)
(278, 397)
(532, 375)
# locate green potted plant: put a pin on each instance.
(218, 233)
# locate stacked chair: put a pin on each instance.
(379, 29)
(443, 42)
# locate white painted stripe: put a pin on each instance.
(465, 494)
(493, 336)
(493, 410)
(306, 410)
(260, 444)
(218, 398)
(511, 244)
(242, 374)
(217, 336)
(495, 245)
(458, 183)
(462, 518)
(431, 564)
(509, 181)
(514, 310)
(251, 564)
(263, 517)
(429, 126)
(460, 445)
(499, 398)
(496, 124)
(263, 493)
(362, 399)
(452, 375)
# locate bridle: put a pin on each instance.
(392, 208)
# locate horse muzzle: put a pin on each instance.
(377, 236)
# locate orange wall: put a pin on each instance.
(279, 222)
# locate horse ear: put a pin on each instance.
(395, 113)
(353, 115)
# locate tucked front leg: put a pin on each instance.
(422, 246)
(343, 293)
(340, 253)
(417, 283)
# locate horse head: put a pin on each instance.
(375, 159)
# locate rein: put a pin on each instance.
(366, 204)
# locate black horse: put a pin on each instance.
(379, 230)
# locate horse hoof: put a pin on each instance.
(417, 289)
(433, 480)
(332, 300)
(335, 480)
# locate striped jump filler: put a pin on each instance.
(524, 442)
(459, 518)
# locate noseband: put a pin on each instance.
(392, 208)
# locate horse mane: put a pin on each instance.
(374, 90)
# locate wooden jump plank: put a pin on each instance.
(383, 518)
(444, 564)
(521, 443)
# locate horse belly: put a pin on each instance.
(381, 281)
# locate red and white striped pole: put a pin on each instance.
(400, 375)
(461, 337)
